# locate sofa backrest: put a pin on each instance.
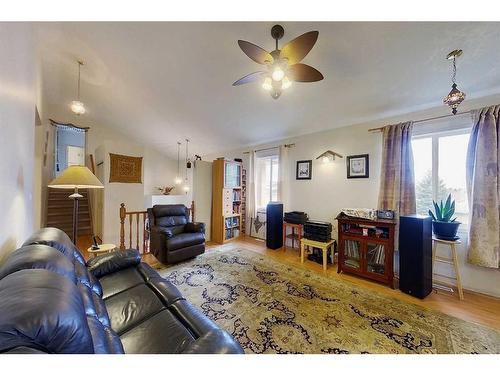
(50, 302)
(170, 215)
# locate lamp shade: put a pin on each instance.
(76, 176)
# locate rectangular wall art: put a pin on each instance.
(126, 169)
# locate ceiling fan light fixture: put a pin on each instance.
(283, 66)
(286, 83)
(278, 74)
(267, 84)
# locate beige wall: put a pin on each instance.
(157, 170)
(330, 190)
(17, 131)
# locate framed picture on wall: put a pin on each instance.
(358, 166)
(304, 170)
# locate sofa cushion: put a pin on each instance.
(162, 333)
(57, 239)
(165, 290)
(43, 310)
(118, 282)
(38, 257)
(185, 240)
(130, 308)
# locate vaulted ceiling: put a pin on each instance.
(163, 82)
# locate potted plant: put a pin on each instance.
(443, 225)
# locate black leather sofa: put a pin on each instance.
(172, 237)
(51, 301)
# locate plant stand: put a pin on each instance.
(452, 261)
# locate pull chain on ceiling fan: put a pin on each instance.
(283, 66)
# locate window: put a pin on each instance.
(439, 163)
(266, 179)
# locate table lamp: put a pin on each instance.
(76, 177)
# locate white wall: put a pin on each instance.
(17, 132)
(330, 190)
(116, 193)
(159, 172)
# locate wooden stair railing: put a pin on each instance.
(135, 216)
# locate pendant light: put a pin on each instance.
(455, 96)
(77, 107)
(178, 179)
(188, 165)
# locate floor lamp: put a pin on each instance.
(76, 177)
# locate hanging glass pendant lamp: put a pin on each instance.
(77, 107)
(178, 179)
(455, 96)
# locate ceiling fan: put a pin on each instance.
(283, 66)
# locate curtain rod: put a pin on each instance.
(423, 120)
(69, 125)
(287, 145)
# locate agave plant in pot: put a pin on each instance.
(443, 225)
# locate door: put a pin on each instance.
(75, 155)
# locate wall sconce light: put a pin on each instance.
(328, 156)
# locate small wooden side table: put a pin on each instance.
(103, 248)
(452, 261)
(295, 235)
(324, 246)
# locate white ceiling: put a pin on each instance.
(163, 82)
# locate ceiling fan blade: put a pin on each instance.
(298, 48)
(257, 54)
(249, 78)
(304, 73)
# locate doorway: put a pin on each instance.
(69, 147)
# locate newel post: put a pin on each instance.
(123, 214)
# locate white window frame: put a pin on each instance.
(270, 155)
(435, 152)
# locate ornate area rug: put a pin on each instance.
(272, 307)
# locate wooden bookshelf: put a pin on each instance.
(227, 199)
(366, 248)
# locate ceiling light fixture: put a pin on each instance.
(283, 65)
(77, 107)
(178, 179)
(455, 96)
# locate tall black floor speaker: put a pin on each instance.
(415, 255)
(274, 225)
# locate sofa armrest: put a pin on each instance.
(112, 262)
(194, 228)
(214, 342)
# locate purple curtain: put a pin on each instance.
(483, 188)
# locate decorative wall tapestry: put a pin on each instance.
(127, 169)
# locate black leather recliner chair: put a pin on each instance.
(172, 237)
(51, 301)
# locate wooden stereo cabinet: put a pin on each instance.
(227, 200)
(366, 248)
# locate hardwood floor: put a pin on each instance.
(475, 307)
